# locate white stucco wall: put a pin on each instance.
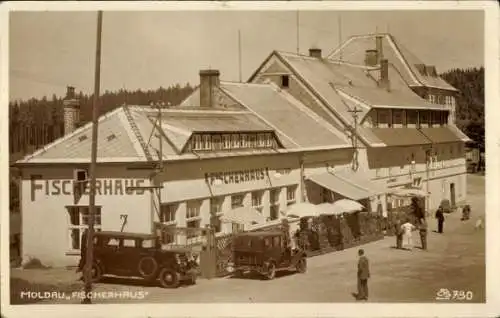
(45, 222)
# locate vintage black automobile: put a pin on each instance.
(265, 253)
(141, 256)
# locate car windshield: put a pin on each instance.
(148, 243)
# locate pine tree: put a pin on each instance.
(35, 123)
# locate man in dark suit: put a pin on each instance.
(422, 228)
(363, 275)
(440, 218)
(398, 232)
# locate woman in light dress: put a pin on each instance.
(407, 229)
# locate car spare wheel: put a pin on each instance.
(169, 278)
(148, 267)
(302, 265)
(271, 271)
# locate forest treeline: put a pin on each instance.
(37, 122)
(470, 103)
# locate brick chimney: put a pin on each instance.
(384, 74)
(71, 111)
(209, 79)
(371, 58)
(315, 52)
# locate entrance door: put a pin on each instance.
(452, 194)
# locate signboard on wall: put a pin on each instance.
(241, 176)
(237, 176)
(114, 187)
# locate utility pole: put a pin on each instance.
(340, 37)
(93, 164)
(239, 53)
(298, 33)
(354, 135)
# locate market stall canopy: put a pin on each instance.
(330, 209)
(348, 206)
(243, 215)
(303, 209)
(347, 184)
(410, 192)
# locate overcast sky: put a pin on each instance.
(49, 50)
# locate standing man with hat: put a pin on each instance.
(363, 276)
(422, 228)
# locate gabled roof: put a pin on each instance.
(116, 143)
(295, 124)
(341, 87)
(353, 50)
(333, 79)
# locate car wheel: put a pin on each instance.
(271, 271)
(148, 268)
(96, 272)
(302, 265)
(169, 278)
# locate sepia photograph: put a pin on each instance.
(245, 156)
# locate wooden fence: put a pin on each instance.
(326, 234)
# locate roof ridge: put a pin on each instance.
(242, 83)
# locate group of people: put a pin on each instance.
(404, 237)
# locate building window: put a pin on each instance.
(193, 209)
(423, 119)
(216, 212)
(291, 193)
(257, 200)
(444, 118)
(196, 143)
(436, 118)
(412, 118)
(397, 118)
(226, 141)
(285, 81)
(216, 142)
(168, 213)
(193, 217)
(207, 142)
(261, 141)
(442, 100)
(274, 199)
(269, 140)
(252, 141)
(79, 221)
(243, 141)
(237, 201)
(235, 141)
(383, 118)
